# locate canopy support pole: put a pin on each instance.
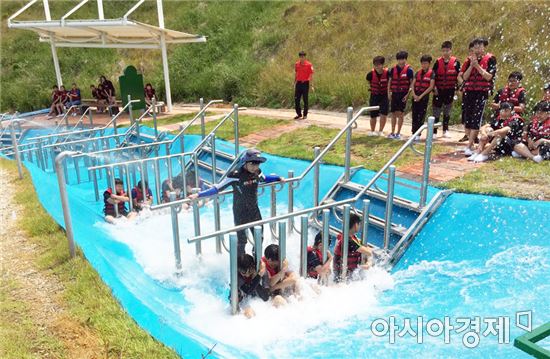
(164, 57)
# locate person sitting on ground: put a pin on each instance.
(315, 267)
(56, 97)
(119, 199)
(282, 281)
(537, 144)
(500, 135)
(513, 93)
(251, 284)
(355, 250)
(149, 94)
(74, 98)
(140, 201)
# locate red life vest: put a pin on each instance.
(354, 257)
(508, 95)
(539, 129)
(379, 83)
(400, 82)
(476, 82)
(446, 74)
(422, 81)
(311, 272)
(139, 194)
(109, 209)
(269, 269)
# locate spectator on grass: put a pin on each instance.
(74, 98)
(56, 106)
(536, 147)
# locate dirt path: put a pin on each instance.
(37, 289)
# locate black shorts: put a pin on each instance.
(379, 100)
(506, 146)
(397, 103)
(544, 151)
(473, 105)
(444, 97)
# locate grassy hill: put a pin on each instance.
(252, 46)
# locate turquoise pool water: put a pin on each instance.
(479, 256)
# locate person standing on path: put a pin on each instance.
(302, 79)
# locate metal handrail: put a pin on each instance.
(69, 133)
(189, 123)
(314, 209)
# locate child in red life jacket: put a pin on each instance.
(423, 84)
(501, 135)
(536, 147)
(378, 78)
(355, 250)
(315, 266)
(117, 198)
(140, 201)
(445, 72)
(400, 81)
(251, 283)
(513, 92)
(282, 281)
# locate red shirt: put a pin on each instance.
(303, 71)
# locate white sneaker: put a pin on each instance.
(468, 152)
(380, 133)
(481, 158)
(446, 134)
(473, 156)
(397, 136)
(516, 155)
(537, 158)
(371, 133)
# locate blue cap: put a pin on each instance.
(253, 155)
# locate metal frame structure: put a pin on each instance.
(104, 33)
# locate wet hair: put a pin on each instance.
(447, 45)
(480, 41)
(118, 181)
(318, 239)
(402, 55)
(471, 45)
(378, 60)
(426, 58)
(146, 184)
(506, 106)
(271, 252)
(353, 220)
(190, 179)
(245, 262)
(515, 75)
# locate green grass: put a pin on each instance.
(20, 337)
(248, 59)
(86, 297)
(370, 152)
(508, 177)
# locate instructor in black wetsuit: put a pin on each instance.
(245, 182)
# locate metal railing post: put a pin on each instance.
(90, 117)
(347, 157)
(273, 208)
(389, 206)
(282, 243)
(365, 224)
(426, 164)
(345, 241)
(129, 186)
(197, 223)
(213, 149)
(290, 202)
(203, 129)
(113, 188)
(65, 200)
(154, 104)
(96, 188)
(326, 233)
(157, 181)
(236, 127)
(15, 146)
(217, 224)
(175, 232)
(132, 121)
(316, 173)
(258, 244)
(303, 246)
(234, 292)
